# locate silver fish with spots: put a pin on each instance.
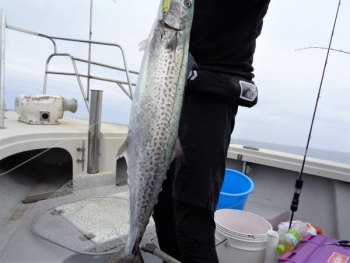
(152, 142)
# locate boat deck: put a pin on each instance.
(324, 199)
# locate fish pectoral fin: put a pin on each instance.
(122, 151)
(143, 44)
(173, 42)
(177, 150)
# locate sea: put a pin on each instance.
(333, 156)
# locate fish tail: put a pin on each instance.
(121, 257)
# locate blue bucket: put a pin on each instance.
(235, 190)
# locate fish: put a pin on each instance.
(152, 140)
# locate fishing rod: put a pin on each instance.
(338, 50)
(299, 181)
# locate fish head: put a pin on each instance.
(176, 14)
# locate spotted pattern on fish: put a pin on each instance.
(160, 124)
(155, 114)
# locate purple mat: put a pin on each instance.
(312, 250)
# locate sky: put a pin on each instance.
(287, 80)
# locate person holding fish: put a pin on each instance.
(189, 114)
(222, 42)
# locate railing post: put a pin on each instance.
(2, 68)
(89, 58)
(94, 130)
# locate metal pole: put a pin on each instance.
(94, 130)
(2, 69)
(89, 59)
(152, 249)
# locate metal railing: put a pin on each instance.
(76, 73)
(2, 68)
(94, 116)
(120, 83)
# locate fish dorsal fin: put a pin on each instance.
(122, 151)
(143, 44)
(177, 150)
(173, 42)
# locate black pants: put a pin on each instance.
(185, 232)
(184, 214)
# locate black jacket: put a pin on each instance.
(224, 33)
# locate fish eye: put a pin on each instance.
(188, 3)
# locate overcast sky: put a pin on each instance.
(287, 80)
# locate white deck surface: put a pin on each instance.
(68, 127)
(69, 135)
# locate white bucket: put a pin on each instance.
(242, 236)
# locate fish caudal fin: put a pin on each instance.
(120, 257)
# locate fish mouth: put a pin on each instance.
(170, 26)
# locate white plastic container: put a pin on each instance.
(282, 230)
(242, 236)
(272, 243)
